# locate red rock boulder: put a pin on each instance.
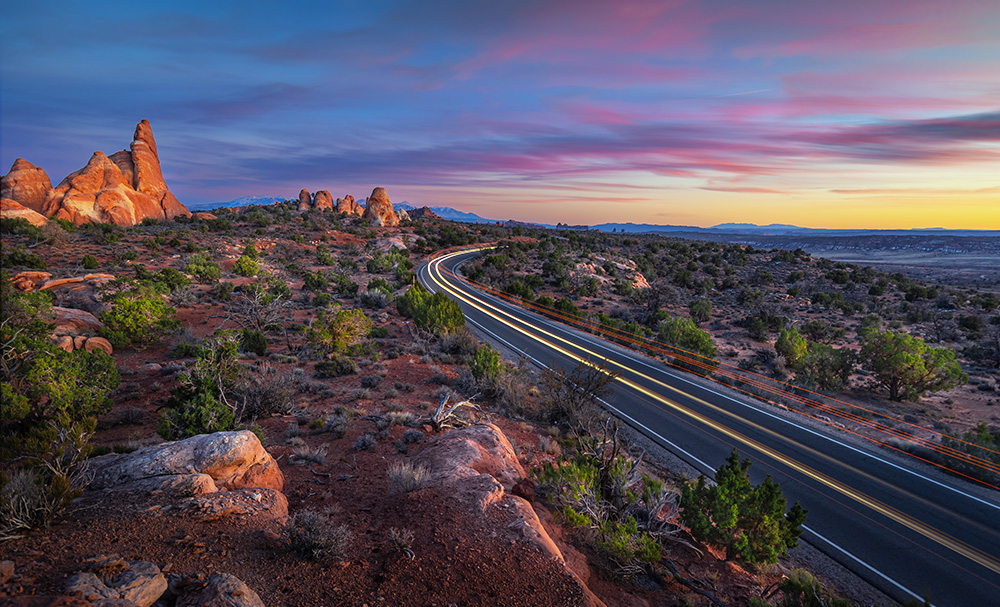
(323, 200)
(13, 209)
(305, 200)
(379, 211)
(347, 205)
(26, 185)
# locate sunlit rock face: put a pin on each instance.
(379, 211)
(349, 206)
(25, 184)
(123, 189)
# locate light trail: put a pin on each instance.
(974, 554)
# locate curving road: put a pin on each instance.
(908, 534)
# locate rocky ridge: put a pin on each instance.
(124, 188)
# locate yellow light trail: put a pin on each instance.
(969, 552)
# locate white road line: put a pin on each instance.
(590, 340)
(704, 466)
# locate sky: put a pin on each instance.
(846, 114)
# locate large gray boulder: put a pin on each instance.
(201, 464)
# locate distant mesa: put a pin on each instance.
(379, 211)
(122, 189)
(422, 214)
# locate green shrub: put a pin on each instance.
(253, 341)
(486, 364)
(89, 262)
(19, 226)
(199, 404)
(435, 312)
(49, 400)
(749, 522)
(792, 346)
(170, 278)
(333, 331)
(336, 366)
(201, 414)
(223, 291)
(17, 257)
(322, 300)
(826, 367)
(316, 282)
(246, 266)
(906, 366)
(701, 311)
(203, 269)
(137, 321)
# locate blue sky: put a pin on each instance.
(848, 114)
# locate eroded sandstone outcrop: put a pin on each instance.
(26, 185)
(349, 206)
(323, 200)
(477, 467)
(14, 210)
(423, 213)
(379, 211)
(305, 200)
(123, 189)
(224, 460)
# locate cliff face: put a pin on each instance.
(123, 189)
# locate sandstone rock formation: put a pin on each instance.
(403, 215)
(138, 583)
(476, 466)
(222, 590)
(73, 322)
(13, 209)
(123, 189)
(323, 200)
(423, 213)
(224, 460)
(26, 185)
(305, 200)
(347, 205)
(378, 210)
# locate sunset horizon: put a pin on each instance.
(860, 115)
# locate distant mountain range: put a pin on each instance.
(750, 229)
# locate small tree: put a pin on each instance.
(792, 346)
(748, 521)
(826, 367)
(907, 367)
(246, 266)
(701, 311)
(333, 331)
(486, 364)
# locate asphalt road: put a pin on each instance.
(905, 532)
